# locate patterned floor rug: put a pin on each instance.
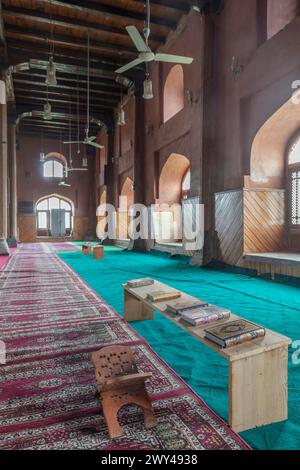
(50, 321)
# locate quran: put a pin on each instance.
(182, 305)
(140, 282)
(160, 295)
(204, 315)
(235, 332)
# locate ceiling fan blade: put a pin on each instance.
(78, 169)
(129, 66)
(73, 142)
(137, 39)
(92, 138)
(93, 144)
(176, 59)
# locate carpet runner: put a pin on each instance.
(51, 321)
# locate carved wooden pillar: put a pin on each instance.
(12, 163)
(3, 171)
(139, 166)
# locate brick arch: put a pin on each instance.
(173, 92)
(270, 147)
(58, 196)
(57, 156)
(171, 178)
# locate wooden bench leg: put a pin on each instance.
(258, 390)
(134, 309)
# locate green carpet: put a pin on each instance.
(274, 305)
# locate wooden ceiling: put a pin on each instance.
(32, 27)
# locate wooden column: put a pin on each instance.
(3, 171)
(139, 167)
(12, 160)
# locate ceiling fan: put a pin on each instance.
(88, 140)
(145, 53)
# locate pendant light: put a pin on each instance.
(84, 162)
(51, 73)
(47, 111)
(121, 113)
(51, 67)
(148, 88)
(47, 116)
(121, 117)
(42, 152)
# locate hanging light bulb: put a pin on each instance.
(51, 73)
(121, 117)
(47, 112)
(84, 162)
(42, 157)
(148, 91)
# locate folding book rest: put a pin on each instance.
(119, 383)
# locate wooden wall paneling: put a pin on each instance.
(264, 212)
(229, 226)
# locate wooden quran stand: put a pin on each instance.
(119, 383)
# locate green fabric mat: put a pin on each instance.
(274, 305)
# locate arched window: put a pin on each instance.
(53, 169)
(294, 184)
(54, 217)
(173, 92)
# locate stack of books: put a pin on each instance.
(234, 333)
(182, 306)
(140, 282)
(161, 295)
(205, 314)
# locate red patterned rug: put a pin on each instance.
(50, 321)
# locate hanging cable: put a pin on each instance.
(78, 126)
(88, 85)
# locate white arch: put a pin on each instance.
(64, 198)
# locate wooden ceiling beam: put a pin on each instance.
(82, 98)
(4, 73)
(68, 67)
(64, 41)
(58, 113)
(62, 78)
(16, 16)
(64, 103)
(94, 13)
(30, 84)
(158, 11)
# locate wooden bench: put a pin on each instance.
(257, 369)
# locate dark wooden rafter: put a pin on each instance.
(4, 62)
(40, 87)
(33, 30)
(107, 18)
(36, 78)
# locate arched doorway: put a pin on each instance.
(54, 216)
(174, 186)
